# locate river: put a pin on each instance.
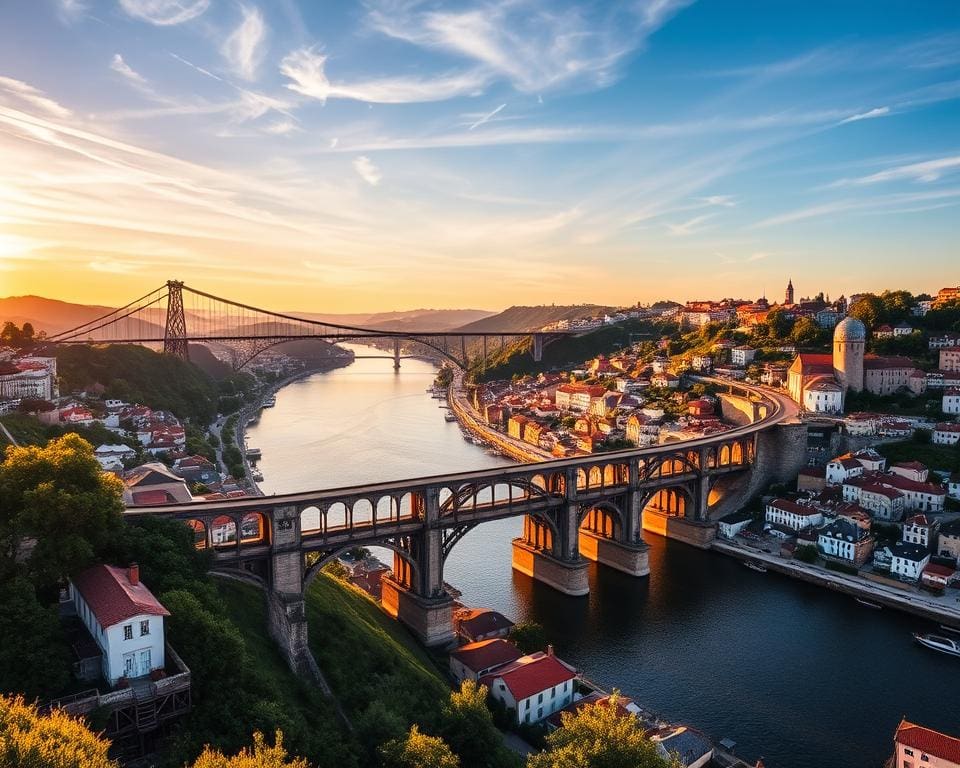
(801, 676)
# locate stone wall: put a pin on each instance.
(569, 578)
(739, 410)
(630, 559)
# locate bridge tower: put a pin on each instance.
(175, 333)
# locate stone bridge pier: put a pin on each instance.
(287, 610)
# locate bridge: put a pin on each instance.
(592, 507)
(175, 315)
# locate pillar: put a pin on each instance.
(396, 354)
(287, 615)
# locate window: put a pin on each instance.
(553, 692)
(144, 628)
(908, 752)
(540, 713)
(924, 758)
(527, 706)
(128, 632)
(540, 698)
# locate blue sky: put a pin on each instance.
(358, 156)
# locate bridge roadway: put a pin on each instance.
(784, 410)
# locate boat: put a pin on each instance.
(253, 453)
(945, 628)
(939, 643)
(257, 475)
(449, 417)
(868, 603)
(753, 566)
(269, 402)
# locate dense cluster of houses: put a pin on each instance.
(836, 507)
(609, 400)
(25, 377)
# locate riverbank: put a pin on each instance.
(906, 600)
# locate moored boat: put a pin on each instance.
(754, 566)
(947, 628)
(868, 603)
(939, 643)
(269, 402)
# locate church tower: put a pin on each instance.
(789, 296)
(849, 341)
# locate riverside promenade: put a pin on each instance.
(944, 609)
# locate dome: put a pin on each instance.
(850, 329)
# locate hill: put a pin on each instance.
(139, 375)
(48, 315)
(519, 318)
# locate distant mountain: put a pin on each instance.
(53, 316)
(520, 318)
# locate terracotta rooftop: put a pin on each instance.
(529, 675)
(486, 654)
(112, 598)
(928, 740)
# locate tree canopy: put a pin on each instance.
(418, 750)
(31, 740)
(600, 736)
(466, 724)
(528, 636)
(58, 510)
(869, 310)
(33, 655)
(261, 755)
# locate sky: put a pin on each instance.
(390, 154)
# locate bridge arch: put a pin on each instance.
(604, 519)
(469, 495)
(669, 464)
(254, 527)
(670, 501)
(328, 556)
(223, 531)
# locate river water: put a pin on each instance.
(801, 676)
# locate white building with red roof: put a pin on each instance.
(475, 660)
(124, 619)
(915, 746)
(946, 434)
(792, 515)
(533, 686)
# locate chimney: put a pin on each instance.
(550, 650)
(133, 574)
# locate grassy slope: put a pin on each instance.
(530, 318)
(365, 653)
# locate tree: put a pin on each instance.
(779, 323)
(33, 657)
(58, 497)
(262, 755)
(466, 724)
(897, 305)
(528, 636)
(418, 750)
(868, 309)
(806, 553)
(805, 332)
(597, 735)
(31, 740)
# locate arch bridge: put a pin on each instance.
(584, 508)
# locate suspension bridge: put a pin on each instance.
(175, 315)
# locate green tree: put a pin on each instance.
(466, 724)
(418, 750)
(33, 656)
(261, 755)
(58, 498)
(779, 323)
(600, 736)
(869, 310)
(806, 553)
(897, 305)
(31, 740)
(528, 636)
(805, 332)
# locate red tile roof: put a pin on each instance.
(944, 571)
(785, 505)
(486, 654)
(528, 676)
(155, 496)
(929, 741)
(870, 362)
(480, 621)
(112, 598)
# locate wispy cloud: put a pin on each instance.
(165, 13)
(282, 127)
(689, 227)
(868, 115)
(244, 48)
(726, 201)
(749, 259)
(118, 65)
(367, 170)
(532, 43)
(71, 10)
(27, 94)
(487, 117)
(307, 69)
(925, 171)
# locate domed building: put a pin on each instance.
(819, 383)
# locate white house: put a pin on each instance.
(533, 686)
(124, 619)
(946, 434)
(742, 355)
(732, 524)
(823, 395)
(843, 468)
(951, 401)
(912, 470)
(792, 515)
(871, 460)
(110, 455)
(921, 530)
(909, 560)
(883, 503)
(953, 486)
(920, 497)
(701, 362)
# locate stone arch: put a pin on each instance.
(494, 492)
(736, 453)
(670, 501)
(223, 531)
(199, 529)
(254, 528)
(361, 512)
(311, 520)
(541, 533)
(603, 519)
(594, 477)
(311, 571)
(723, 459)
(335, 516)
(667, 465)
